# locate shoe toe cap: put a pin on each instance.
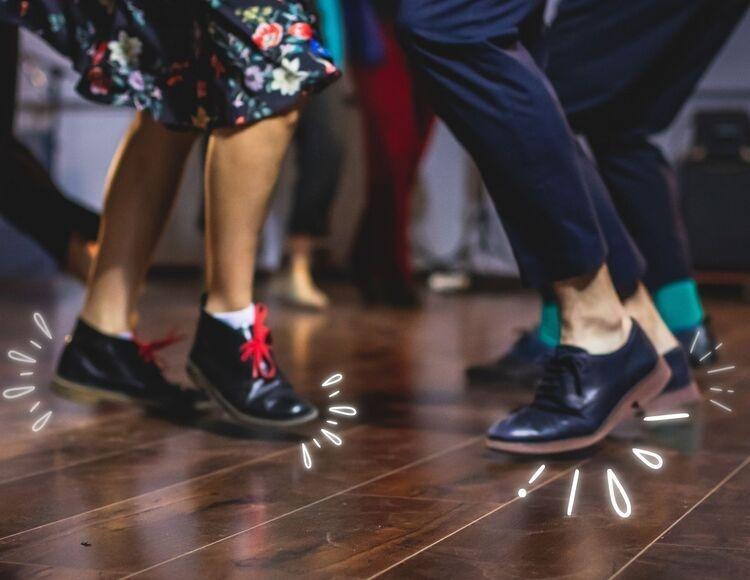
(530, 425)
(288, 406)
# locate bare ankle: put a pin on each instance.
(592, 316)
(597, 335)
(642, 309)
(106, 322)
(222, 302)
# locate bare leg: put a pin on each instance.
(296, 285)
(642, 308)
(592, 316)
(141, 186)
(242, 166)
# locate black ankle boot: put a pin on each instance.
(98, 367)
(238, 370)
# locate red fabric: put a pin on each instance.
(148, 350)
(397, 125)
(258, 348)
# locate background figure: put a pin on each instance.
(319, 141)
(396, 124)
(619, 107)
(620, 85)
(27, 193)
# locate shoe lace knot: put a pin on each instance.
(148, 350)
(563, 375)
(257, 350)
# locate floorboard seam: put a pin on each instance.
(713, 490)
(426, 498)
(471, 523)
(699, 547)
(122, 451)
(316, 502)
(165, 488)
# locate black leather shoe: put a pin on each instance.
(523, 364)
(681, 389)
(238, 370)
(702, 352)
(582, 397)
(98, 367)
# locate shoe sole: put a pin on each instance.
(641, 394)
(200, 381)
(88, 394)
(688, 395)
(91, 395)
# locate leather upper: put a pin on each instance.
(217, 354)
(106, 362)
(578, 391)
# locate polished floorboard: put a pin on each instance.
(112, 492)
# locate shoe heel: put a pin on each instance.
(684, 397)
(651, 386)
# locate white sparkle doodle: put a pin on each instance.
(654, 461)
(41, 422)
(18, 392)
(42, 324)
(573, 490)
(13, 393)
(306, 459)
(332, 380)
(522, 492)
(721, 406)
(18, 356)
(649, 458)
(667, 417)
(615, 486)
(330, 436)
(343, 410)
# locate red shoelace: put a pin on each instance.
(258, 349)
(148, 350)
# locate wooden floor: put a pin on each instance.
(110, 492)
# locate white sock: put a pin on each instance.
(124, 335)
(238, 319)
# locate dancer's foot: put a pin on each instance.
(681, 389)
(80, 256)
(699, 342)
(97, 367)
(238, 370)
(523, 364)
(582, 397)
(299, 291)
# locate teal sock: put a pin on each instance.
(680, 305)
(549, 324)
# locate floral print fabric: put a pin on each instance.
(190, 63)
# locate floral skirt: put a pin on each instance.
(190, 63)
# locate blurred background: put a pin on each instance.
(76, 139)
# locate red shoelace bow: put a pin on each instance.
(148, 350)
(258, 349)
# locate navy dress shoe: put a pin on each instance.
(702, 352)
(238, 370)
(523, 364)
(582, 397)
(681, 389)
(97, 367)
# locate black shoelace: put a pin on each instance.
(563, 372)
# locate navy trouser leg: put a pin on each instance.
(487, 88)
(623, 70)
